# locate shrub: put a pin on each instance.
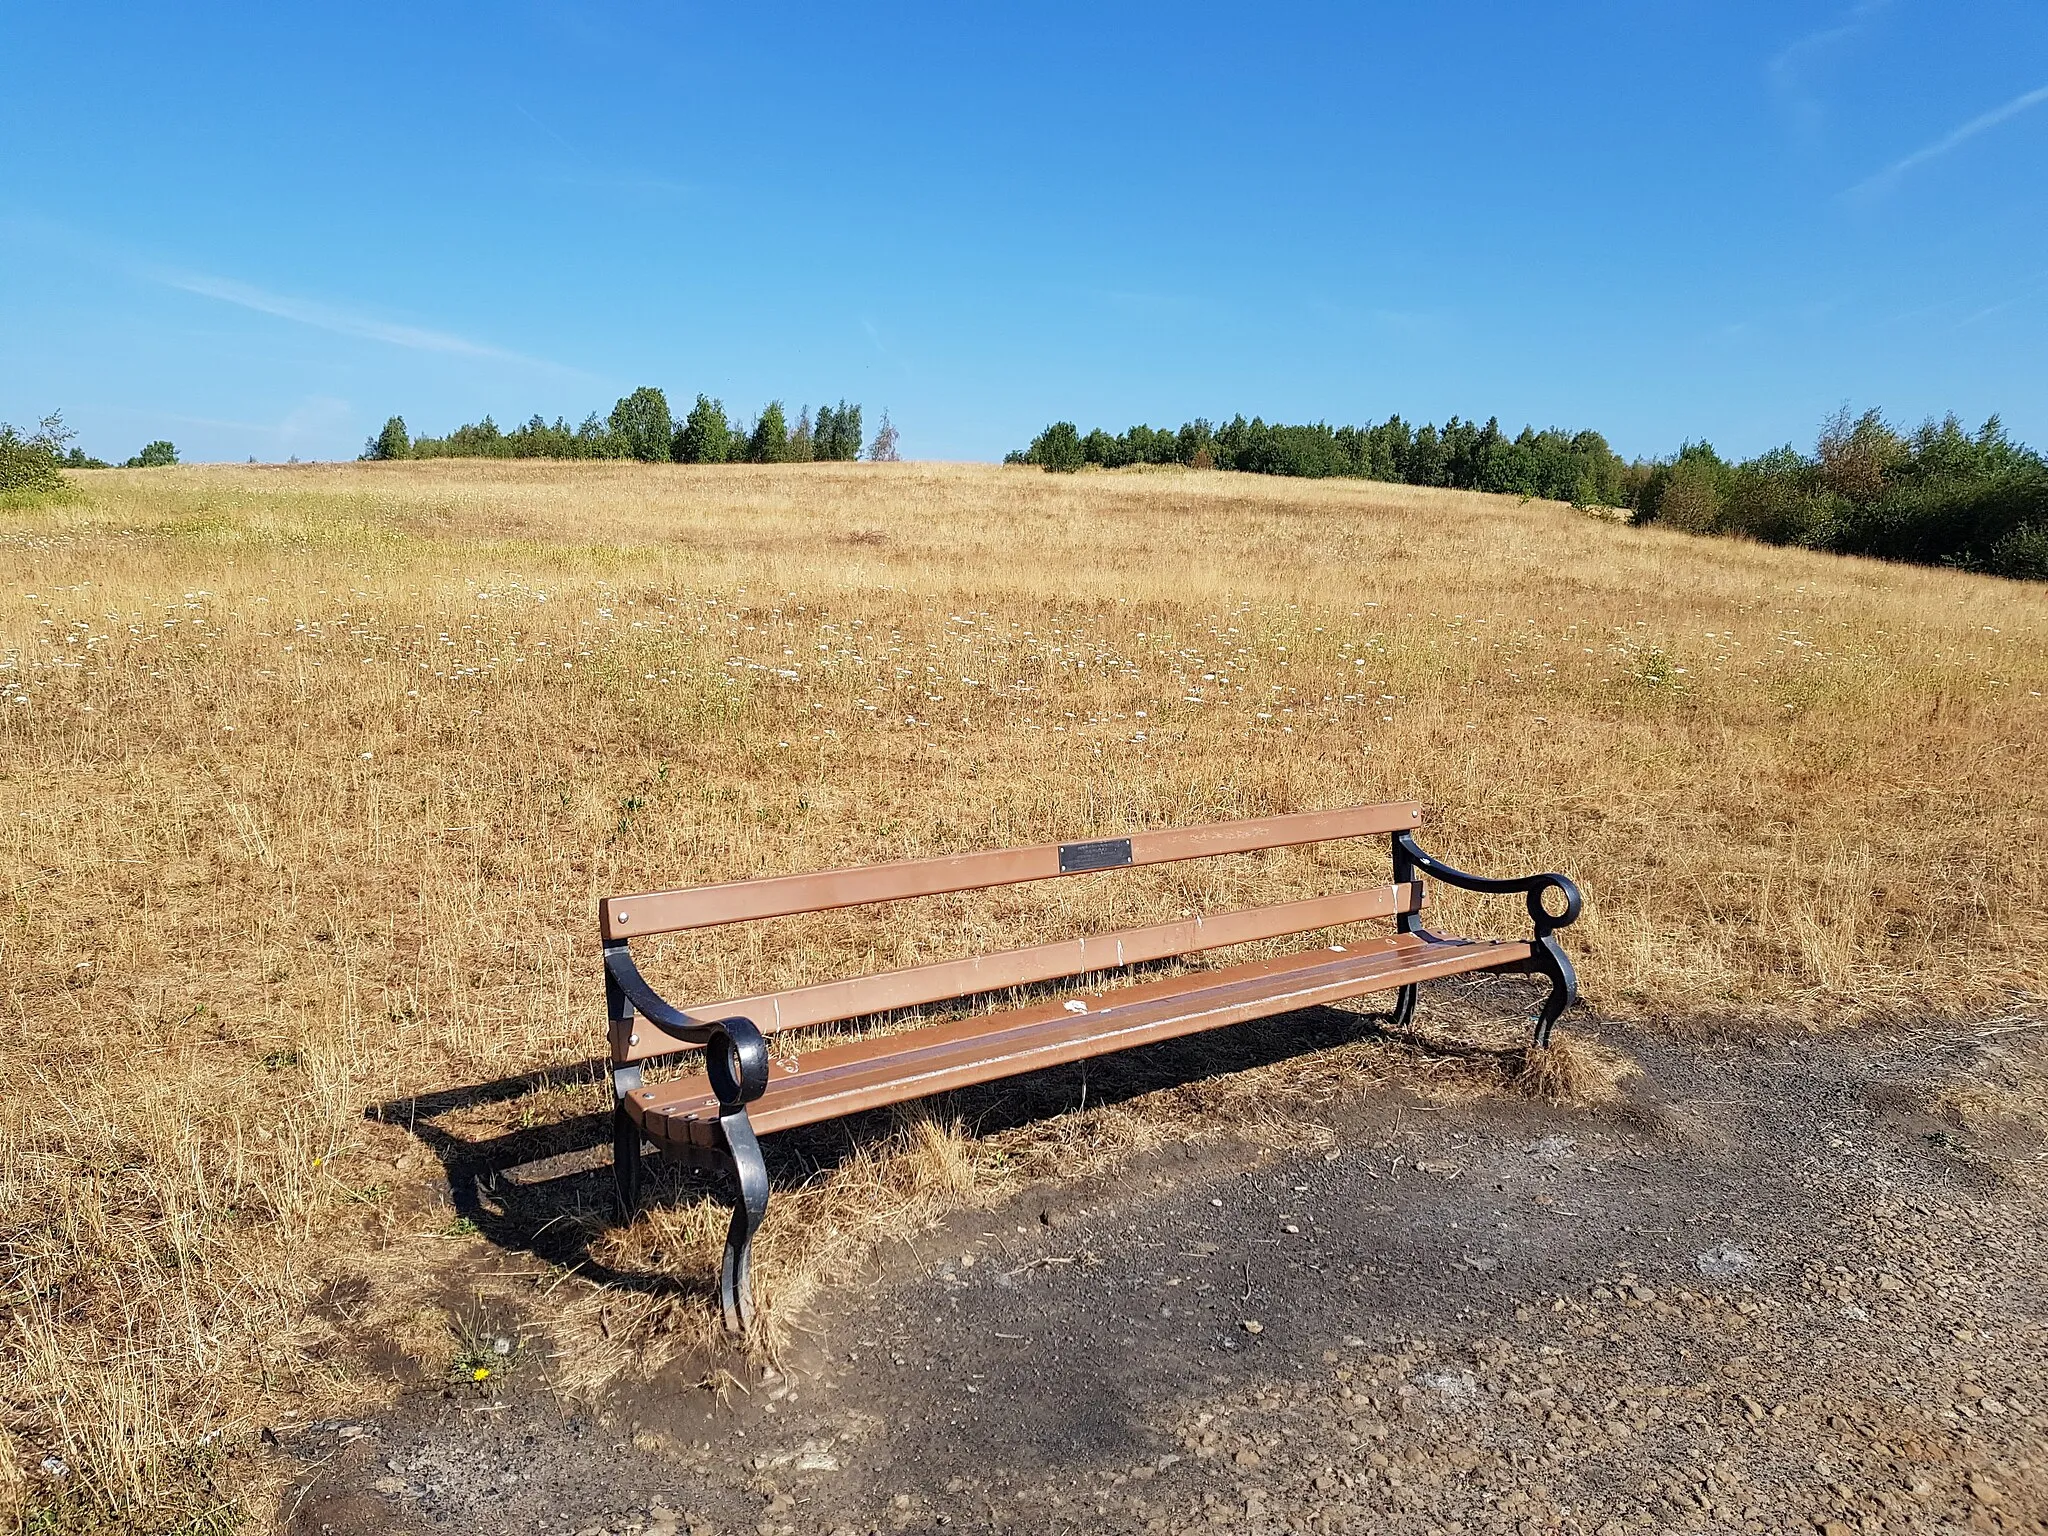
(1692, 498)
(29, 464)
(1774, 499)
(642, 426)
(2023, 553)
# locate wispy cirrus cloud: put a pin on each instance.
(1790, 67)
(1876, 186)
(342, 322)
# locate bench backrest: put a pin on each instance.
(655, 912)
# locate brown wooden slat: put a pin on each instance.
(845, 1079)
(625, 917)
(828, 1002)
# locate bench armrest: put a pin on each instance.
(735, 1052)
(1409, 859)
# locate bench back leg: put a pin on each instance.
(750, 1207)
(626, 1161)
(1403, 1013)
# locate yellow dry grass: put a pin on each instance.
(310, 779)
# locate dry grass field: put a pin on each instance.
(310, 779)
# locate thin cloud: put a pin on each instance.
(643, 186)
(327, 317)
(544, 128)
(1787, 68)
(1886, 179)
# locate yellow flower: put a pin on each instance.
(481, 1373)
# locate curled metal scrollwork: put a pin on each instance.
(1532, 888)
(639, 997)
(736, 1058)
(735, 1051)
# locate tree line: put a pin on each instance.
(32, 461)
(641, 426)
(1937, 495)
(1566, 466)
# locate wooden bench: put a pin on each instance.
(713, 1117)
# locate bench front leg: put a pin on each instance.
(1551, 960)
(749, 1210)
(1548, 958)
(736, 1059)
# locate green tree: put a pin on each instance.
(393, 442)
(643, 426)
(836, 432)
(770, 442)
(153, 456)
(1058, 448)
(704, 437)
(800, 443)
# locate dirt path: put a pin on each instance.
(1781, 1287)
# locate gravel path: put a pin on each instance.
(1786, 1287)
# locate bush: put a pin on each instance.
(29, 464)
(1692, 498)
(2022, 554)
(154, 455)
(393, 442)
(642, 426)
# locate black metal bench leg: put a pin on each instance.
(626, 1161)
(750, 1177)
(1403, 1013)
(1550, 960)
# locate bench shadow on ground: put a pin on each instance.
(545, 1190)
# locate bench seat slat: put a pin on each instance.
(832, 1001)
(866, 1074)
(626, 917)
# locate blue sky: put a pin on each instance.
(260, 230)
